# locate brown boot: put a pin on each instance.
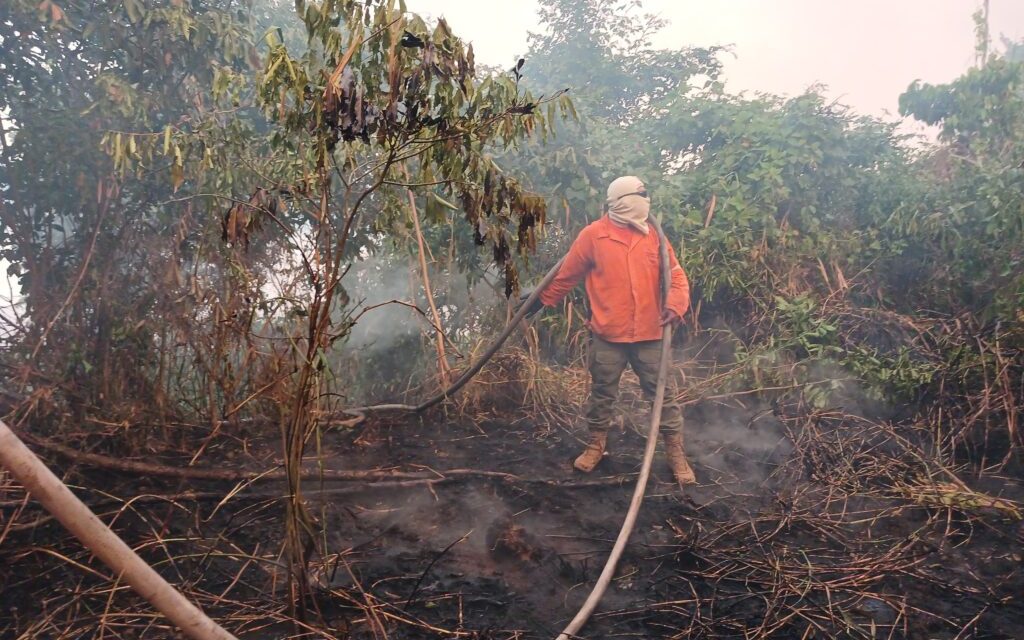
(677, 459)
(593, 453)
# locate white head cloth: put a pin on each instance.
(625, 206)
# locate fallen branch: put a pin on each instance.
(390, 477)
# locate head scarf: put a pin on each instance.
(625, 206)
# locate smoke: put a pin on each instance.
(390, 345)
(737, 444)
(389, 305)
(373, 286)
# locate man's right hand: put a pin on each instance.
(535, 307)
(670, 317)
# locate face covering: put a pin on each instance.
(625, 204)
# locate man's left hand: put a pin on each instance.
(535, 307)
(671, 318)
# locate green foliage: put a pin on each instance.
(969, 224)
(235, 145)
(601, 49)
(798, 199)
(91, 93)
(803, 330)
(601, 52)
(899, 376)
(388, 101)
(175, 153)
(980, 113)
(770, 195)
(807, 331)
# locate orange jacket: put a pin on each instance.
(622, 280)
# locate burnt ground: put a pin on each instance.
(763, 547)
(805, 524)
(519, 557)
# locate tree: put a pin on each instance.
(602, 50)
(83, 225)
(970, 224)
(183, 210)
(375, 105)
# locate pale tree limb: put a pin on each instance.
(442, 360)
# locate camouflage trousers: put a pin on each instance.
(607, 361)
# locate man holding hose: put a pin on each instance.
(618, 256)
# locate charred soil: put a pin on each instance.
(804, 524)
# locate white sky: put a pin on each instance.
(866, 51)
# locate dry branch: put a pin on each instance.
(368, 476)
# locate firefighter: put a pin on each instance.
(617, 257)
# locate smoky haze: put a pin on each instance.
(866, 53)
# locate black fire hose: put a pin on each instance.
(652, 434)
